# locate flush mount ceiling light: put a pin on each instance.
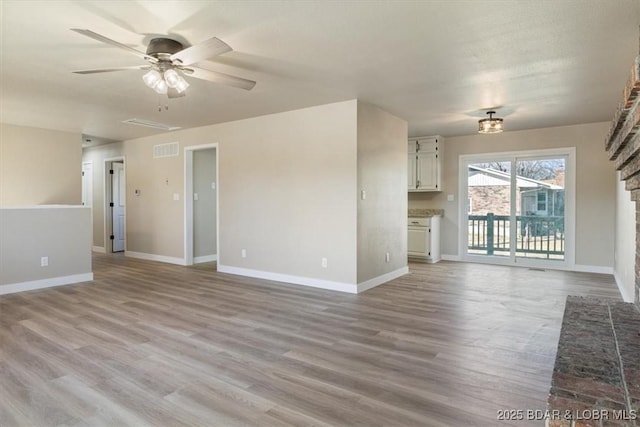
(490, 125)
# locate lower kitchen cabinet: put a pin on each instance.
(423, 243)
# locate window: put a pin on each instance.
(542, 201)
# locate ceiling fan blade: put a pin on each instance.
(201, 51)
(216, 77)
(108, 70)
(107, 40)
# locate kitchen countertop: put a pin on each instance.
(421, 213)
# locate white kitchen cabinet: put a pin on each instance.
(425, 163)
(423, 240)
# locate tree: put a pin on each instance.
(533, 169)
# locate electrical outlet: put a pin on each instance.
(243, 253)
(450, 197)
(324, 263)
(363, 194)
(44, 261)
(195, 196)
(387, 257)
(213, 185)
(176, 196)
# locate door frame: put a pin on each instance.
(188, 200)
(106, 209)
(570, 207)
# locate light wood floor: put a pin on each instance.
(151, 344)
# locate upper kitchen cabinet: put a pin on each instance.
(425, 163)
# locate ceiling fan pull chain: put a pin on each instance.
(160, 103)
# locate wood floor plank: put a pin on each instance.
(152, 344)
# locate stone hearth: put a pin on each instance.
(596, 378)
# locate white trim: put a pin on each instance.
(623, 290)
(45, 283)
(99, 249)
(578, 268)
(376, 281)
(188, 199)
(599, 269)
(287, 278)
(154, 257)
(205, 258)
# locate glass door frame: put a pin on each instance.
(569, 153)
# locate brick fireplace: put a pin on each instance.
(596, 377)
(623, 147)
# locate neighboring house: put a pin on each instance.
(489, 192)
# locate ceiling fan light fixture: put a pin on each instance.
(167, 60)
(490, 125)
(181, 85)
(152, 78)
(172, 77)
(161, 87)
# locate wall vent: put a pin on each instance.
(150, 124)
(166, 150)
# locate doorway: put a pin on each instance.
(520, 208)
(115, 206)
(201, 204)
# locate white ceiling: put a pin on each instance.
(437, 64)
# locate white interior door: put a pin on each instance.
(87, 184)
(118, 206)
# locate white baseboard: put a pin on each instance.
(626, 297)
(45, 283)
(99, 249)
(576, 267)
(315, 283)
(287, 278)
(154, 257)
(592, 269)
(372, 283)
(205, 258)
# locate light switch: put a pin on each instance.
(213, 185)
(450, 198)
(195, 196)
(176, 196)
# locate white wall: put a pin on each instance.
(595, 184)
(382, 174)
(61, 233)
(625, 242)
(287, 192)
(39, 166)
(97, 155)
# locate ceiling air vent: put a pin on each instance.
(150, 124)
(166, 150)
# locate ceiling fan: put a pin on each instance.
(169, 60)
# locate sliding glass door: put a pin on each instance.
(515, 208)
(540, 217)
